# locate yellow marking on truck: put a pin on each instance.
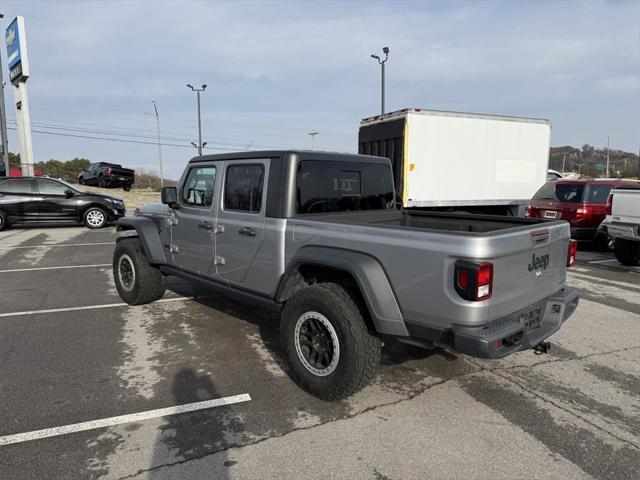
(405, 163)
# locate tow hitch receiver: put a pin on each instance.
(542, 347)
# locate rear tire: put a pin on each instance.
(136, 280)
(102, 183)
(95, 217)
(627, 252)
(4, 222)
(127, 188)
(330, 351)
(601, 241)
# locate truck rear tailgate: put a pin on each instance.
(529, 266)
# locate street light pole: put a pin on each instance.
(381, 62)
(155, 108)
(313, 136)
(3, 121)
(200, 145)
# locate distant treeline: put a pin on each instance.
(592, 162)
(70, 169)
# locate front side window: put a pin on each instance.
(50, 187)
(198, 188)
(15, 185)
(243, 188)
(343, 187)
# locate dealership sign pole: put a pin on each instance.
(18, 74)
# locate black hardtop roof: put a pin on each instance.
(301, 154)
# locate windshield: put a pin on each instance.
(561, 192)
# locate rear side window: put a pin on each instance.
(198, 188)
(343, 187)
(16, 185)
(243, 188)
(599, 193)
(561, 192)
(50, 187)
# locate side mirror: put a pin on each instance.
(169, 196)
(68, 193)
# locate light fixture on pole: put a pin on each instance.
(200, 145)
(381, 62)
(313, 136)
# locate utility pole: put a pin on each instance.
(313, 136)
(3, 119)
(155, 108)
(381, 62)
(564, 157)
(607, 156)
(200, 145)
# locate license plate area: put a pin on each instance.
(550, 214)
(531, 318)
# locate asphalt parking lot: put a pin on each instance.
(193, 386)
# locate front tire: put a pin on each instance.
(136, 280)
(627, 252)
(330, 351)
(4, 222)
(95, 217)
(81, 181)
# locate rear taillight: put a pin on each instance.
(474, 281)
(584, 211)
(573, 250)
(529, 211)
(609, 204)
(109, 171)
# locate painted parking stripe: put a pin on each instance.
(122, 419)
(88, 307)
(54, 268)
(14, 247)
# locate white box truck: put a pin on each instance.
(461, 161)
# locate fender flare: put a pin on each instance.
(148, 234)
(368, 273)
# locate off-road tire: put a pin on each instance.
(359, 349)
(601, 241)
(627, 252)
(102, 183)
(89, 223)
(4, 222)
(127, 188)
(147, 285)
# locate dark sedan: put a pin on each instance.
(42, 200)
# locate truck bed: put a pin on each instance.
(434, 221)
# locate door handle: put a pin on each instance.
(247, 231)
(205, 225)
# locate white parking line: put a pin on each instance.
(12, 247)
(88, 307)
(111, 421)
(604, 261)
(54, 268)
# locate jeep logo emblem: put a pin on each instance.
(538, 263)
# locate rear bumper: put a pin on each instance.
(521, 330)
(626, 231)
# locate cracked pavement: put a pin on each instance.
(573, 413)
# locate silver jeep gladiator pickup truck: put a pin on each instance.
(318, 236)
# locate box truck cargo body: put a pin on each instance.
(461, 161)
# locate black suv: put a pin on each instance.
(44, 200)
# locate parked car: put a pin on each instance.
(553, 175)
(623, 224)
(317, 234)
(107, 175)
(43, 200)
(581, 202)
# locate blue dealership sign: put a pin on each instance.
(17, 51)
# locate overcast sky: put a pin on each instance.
(276, 71)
